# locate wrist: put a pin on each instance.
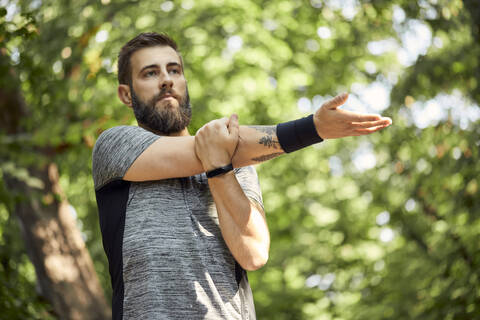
(298, 134)
(212, 160)
(212, 165)
(316, 123)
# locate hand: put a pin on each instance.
(332, 122)
(215, 142)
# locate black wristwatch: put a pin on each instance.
(219, 171)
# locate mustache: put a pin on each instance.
(163, 121)
(163, 91)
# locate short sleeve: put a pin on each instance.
(248, 179)
(115, 151)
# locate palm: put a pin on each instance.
(332, 122)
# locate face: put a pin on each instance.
(159, 91)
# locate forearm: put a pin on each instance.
(260, 143)
(256, 144)
(242, 224)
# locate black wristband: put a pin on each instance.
(297, 134)
(219, 171)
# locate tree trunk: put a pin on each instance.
(65, 272)
(62, 263)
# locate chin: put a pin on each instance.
(169, 103)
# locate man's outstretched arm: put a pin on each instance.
(260, 143)
(172, 157)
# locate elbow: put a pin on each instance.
(256, 261)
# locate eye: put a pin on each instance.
(174, 71)
(151, 73)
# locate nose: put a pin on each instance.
(166, 82)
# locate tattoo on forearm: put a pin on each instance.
(268, 141)
(265, 129)
(267, 157)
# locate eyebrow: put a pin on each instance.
(157, 66)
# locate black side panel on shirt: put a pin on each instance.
(239, 272)
(112, 203)
(248, 307)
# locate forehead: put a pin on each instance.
(160, 55)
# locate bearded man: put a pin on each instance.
(180, 225)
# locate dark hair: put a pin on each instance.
(143, 40)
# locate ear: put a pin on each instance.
(124, 94)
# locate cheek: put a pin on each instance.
(146, 90)
(182, 87)
(182, 84)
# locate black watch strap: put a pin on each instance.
(219, 171)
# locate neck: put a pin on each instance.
(182, 133)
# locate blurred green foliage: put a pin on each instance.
(394, 240)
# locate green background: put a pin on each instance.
(384, 226)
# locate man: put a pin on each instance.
(179, 240)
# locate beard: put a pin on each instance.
(166, 120)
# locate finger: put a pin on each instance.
(336, 102)
(230, 119)
(368, 130)
(233, 125)
(224, 121)
(221, 125)
(370, 124)
(351, 116)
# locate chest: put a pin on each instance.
(173, 213)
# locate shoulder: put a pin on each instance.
(116, 149)
(122, 135)
(118, 131)
(110, 134)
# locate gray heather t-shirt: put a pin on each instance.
(167, 257)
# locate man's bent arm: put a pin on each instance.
(242, 222)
